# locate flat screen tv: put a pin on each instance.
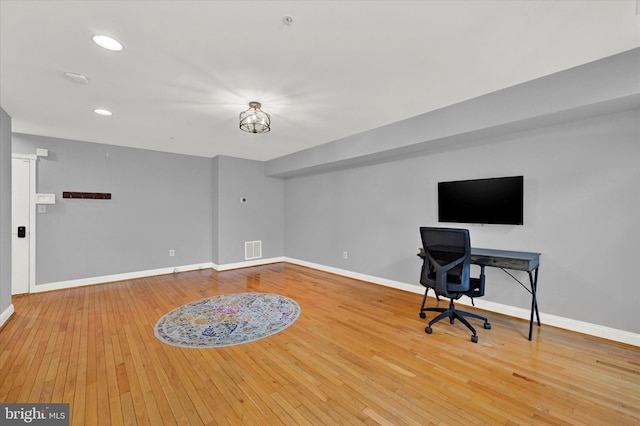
(491, 201)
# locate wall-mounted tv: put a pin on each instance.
(491, 201)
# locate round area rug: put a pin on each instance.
(227, 320)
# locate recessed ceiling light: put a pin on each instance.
(102, 112)
(108, 43)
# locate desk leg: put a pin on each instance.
(533, 279)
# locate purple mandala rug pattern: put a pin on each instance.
(227, 320)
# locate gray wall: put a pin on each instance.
(260, 218)
(160, 202)
(607, 85)
(582, 204)
(574, 136)
(5, 210)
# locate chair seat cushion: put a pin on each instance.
(476, 289)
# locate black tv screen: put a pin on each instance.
(491, 201)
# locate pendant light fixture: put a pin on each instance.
(254, 120)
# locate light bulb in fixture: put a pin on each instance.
(101, 111)
(108, 43)
(254, 120)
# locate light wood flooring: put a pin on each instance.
(358, 354)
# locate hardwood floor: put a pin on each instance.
(358, 354)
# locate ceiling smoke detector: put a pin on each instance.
(76, 78)
(287, 20)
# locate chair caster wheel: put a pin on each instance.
(474, 338)
(428, 330)
(423, 315)
(487, 326)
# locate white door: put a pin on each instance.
(21, 228)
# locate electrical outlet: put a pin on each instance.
(172, 252)
(345, 255)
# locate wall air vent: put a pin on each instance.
(252, 250)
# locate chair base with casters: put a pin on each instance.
(452, 313)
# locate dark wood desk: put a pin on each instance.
(518, 261)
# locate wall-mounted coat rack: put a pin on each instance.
(87, 195)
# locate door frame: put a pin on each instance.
(32, 215)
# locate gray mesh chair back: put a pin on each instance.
(446, 269)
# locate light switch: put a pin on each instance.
(42, 198)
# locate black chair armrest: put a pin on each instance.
(482, 261)
(477, 284)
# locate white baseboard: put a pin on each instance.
(560, 322)
(6, 314)
(246, 264)
(362, 277)
(59, 285)
(512, 311)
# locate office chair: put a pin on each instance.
(446, 269)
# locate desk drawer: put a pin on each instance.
(505, 262)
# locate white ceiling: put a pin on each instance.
(342, 67)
